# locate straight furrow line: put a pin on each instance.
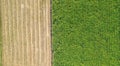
(39, 30)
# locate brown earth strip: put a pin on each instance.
(26, 33)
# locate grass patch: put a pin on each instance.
(86, 32)
(0, 38)
(0, 45)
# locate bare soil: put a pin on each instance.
(26, 33)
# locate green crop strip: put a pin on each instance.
(0, 45)
(0, 42)
(86, 32)
(0, 38)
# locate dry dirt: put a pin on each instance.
(26, 33)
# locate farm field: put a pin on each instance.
(0, 51)
(26, 36)
(0, 46)
(86, 32)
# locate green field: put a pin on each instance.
(0, 52)
(0, 39)
(86, 32)
(0, 45)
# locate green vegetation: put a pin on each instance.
(0, 45)
(0, 40)
(86, 32)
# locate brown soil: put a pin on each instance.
(26, 33)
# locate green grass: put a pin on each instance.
(0, 38)
(0, 43)
(86, 32)
(0, 47)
